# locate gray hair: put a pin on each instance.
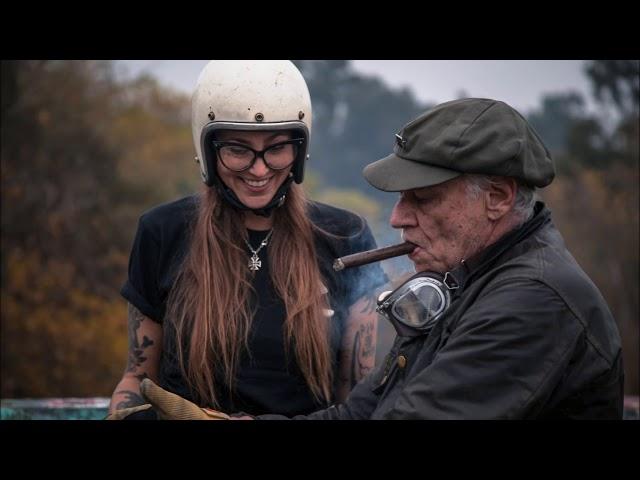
(525, 196)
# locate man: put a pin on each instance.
(517, 330)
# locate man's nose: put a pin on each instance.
(403, 214)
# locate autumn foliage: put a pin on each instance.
(83, 155)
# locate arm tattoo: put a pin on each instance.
(363, 349)
(369, 307)
(132, 400)
(136, 350)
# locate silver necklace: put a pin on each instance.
(254, 261)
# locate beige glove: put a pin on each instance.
(170, 406)
(125, 412)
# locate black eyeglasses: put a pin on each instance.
(238, 157)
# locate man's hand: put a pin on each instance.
(170, 406)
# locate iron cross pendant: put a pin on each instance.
(254, 262)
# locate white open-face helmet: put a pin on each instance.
(249, 95)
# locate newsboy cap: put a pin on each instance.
(471, 135)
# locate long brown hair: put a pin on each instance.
(209, 302)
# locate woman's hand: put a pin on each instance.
(170, 406)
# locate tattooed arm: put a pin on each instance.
(358, 350)
(145, 344)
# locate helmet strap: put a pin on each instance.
(277, 200)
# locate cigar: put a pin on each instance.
(370, 256)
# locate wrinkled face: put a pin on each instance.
(445, 223)
(256, 186)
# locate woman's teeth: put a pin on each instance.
(254, 183)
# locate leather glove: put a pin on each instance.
(125, 412)
(170, 406)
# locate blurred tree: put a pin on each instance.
(597, 213)
(555, 117)
(588, 145)
(354, 120)
(617, 82)
(352, 200)
(59, 166)
(82, 157)
(63, 250)
(595, 198)
(155, 126)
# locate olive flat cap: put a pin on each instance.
(471, 135)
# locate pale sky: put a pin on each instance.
(521, 83)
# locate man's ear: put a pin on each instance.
(500, 197)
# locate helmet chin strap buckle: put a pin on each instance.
(270, 207)
(277, 201)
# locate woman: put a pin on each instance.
(233, 303)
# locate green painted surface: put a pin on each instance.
(94, 408)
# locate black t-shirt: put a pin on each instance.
(267, 379)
